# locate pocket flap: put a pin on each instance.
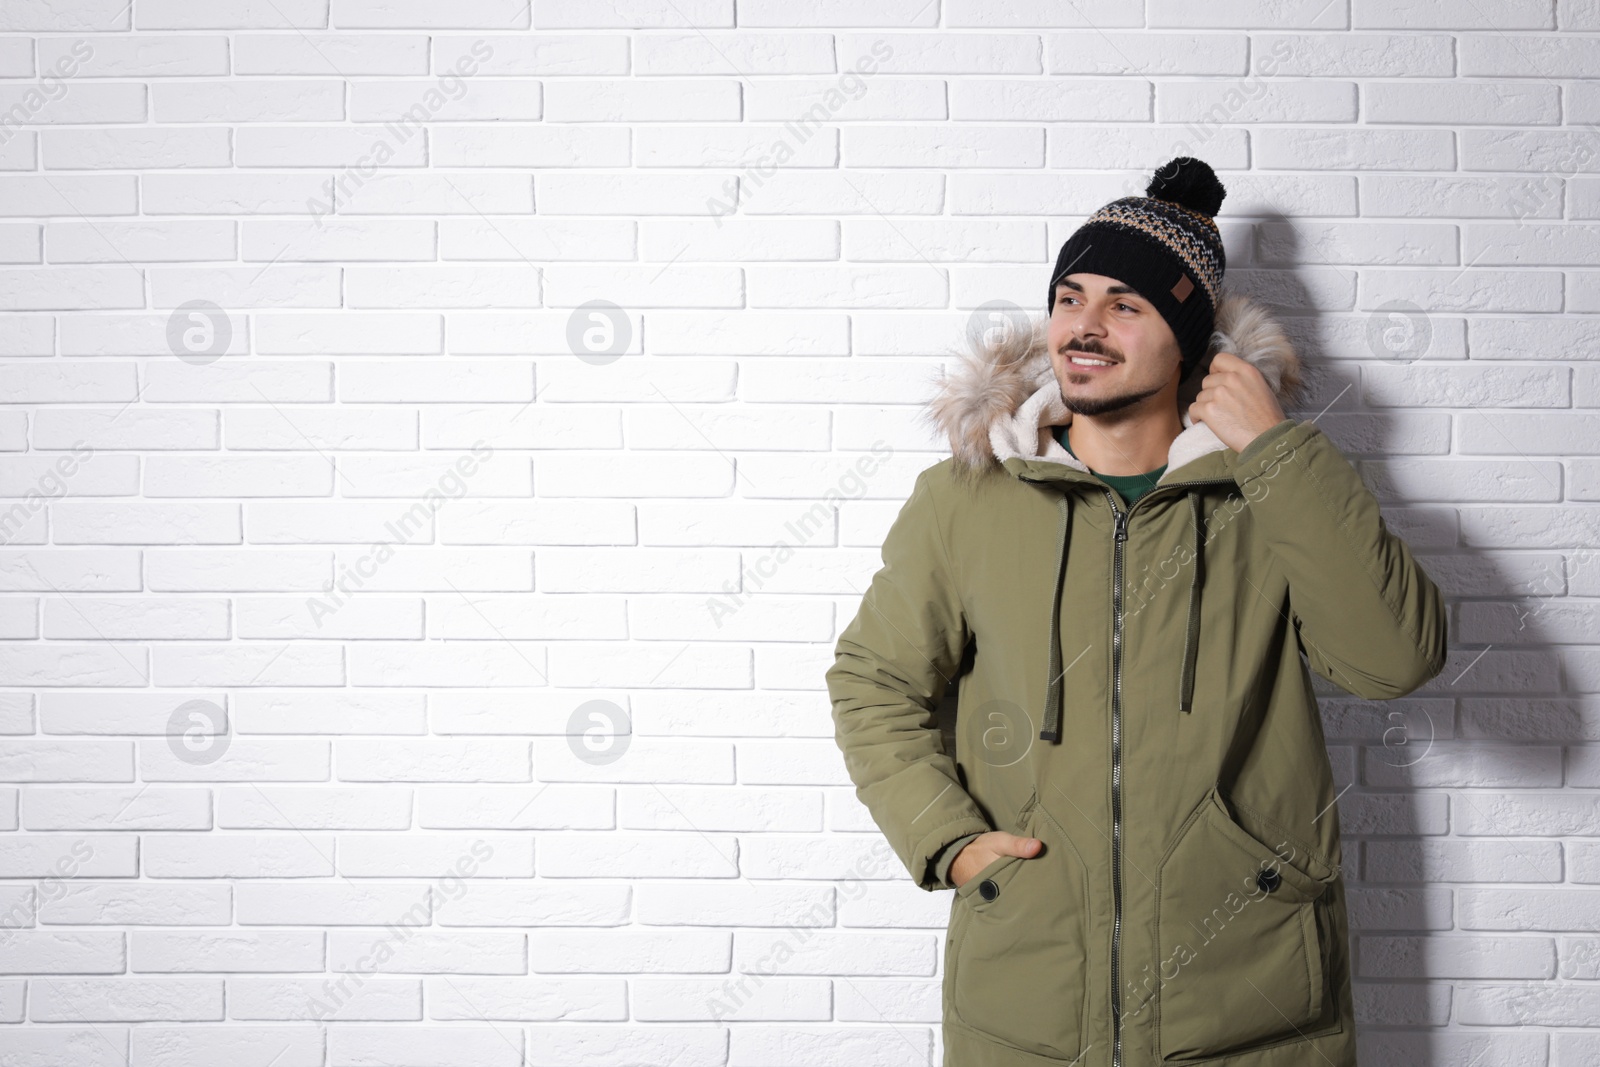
(1296, 884)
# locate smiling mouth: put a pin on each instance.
(1089, 362)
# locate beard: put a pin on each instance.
(1101, 405)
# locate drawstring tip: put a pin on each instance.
(1048, 734)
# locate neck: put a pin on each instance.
(1117, 444)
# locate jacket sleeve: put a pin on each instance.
(947, 859)
(891, 666)
(1367, 616)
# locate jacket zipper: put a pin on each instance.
(1118, 540)
(1116, 778)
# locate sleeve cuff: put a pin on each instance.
(1262, 452)
(947, 858)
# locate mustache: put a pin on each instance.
(1089, 348)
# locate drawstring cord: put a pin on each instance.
(1052, 698)
(1191, 644)
(1191, 647)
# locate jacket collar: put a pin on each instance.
(998, 406)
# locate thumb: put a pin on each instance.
(1009, 844)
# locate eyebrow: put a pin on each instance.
(1113, 290)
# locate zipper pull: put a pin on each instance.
(1122, 525)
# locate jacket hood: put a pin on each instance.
(1003, 398)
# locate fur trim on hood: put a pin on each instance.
(1003, 398)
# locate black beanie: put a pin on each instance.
(1164, 244)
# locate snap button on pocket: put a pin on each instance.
(988, 890)
(1269, 879)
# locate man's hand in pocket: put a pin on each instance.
(986, 848)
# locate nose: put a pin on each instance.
(1087, 329)
(1087, 323)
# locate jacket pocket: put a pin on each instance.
(1241, 955)
(1017, 965)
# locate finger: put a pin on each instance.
(1013, 845)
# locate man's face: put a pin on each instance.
(1099, 318)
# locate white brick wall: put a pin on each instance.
(329, 566)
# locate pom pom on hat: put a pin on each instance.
(1190, 183)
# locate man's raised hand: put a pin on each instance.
(1235, 401)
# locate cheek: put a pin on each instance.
(1143, 343)
(1057, 333)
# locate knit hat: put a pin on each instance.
(1166, 245)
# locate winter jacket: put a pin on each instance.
(1131, 690)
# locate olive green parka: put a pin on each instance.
(1131, 690)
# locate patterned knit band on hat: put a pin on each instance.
(1164, 244)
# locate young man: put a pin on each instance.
(1120, 567)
